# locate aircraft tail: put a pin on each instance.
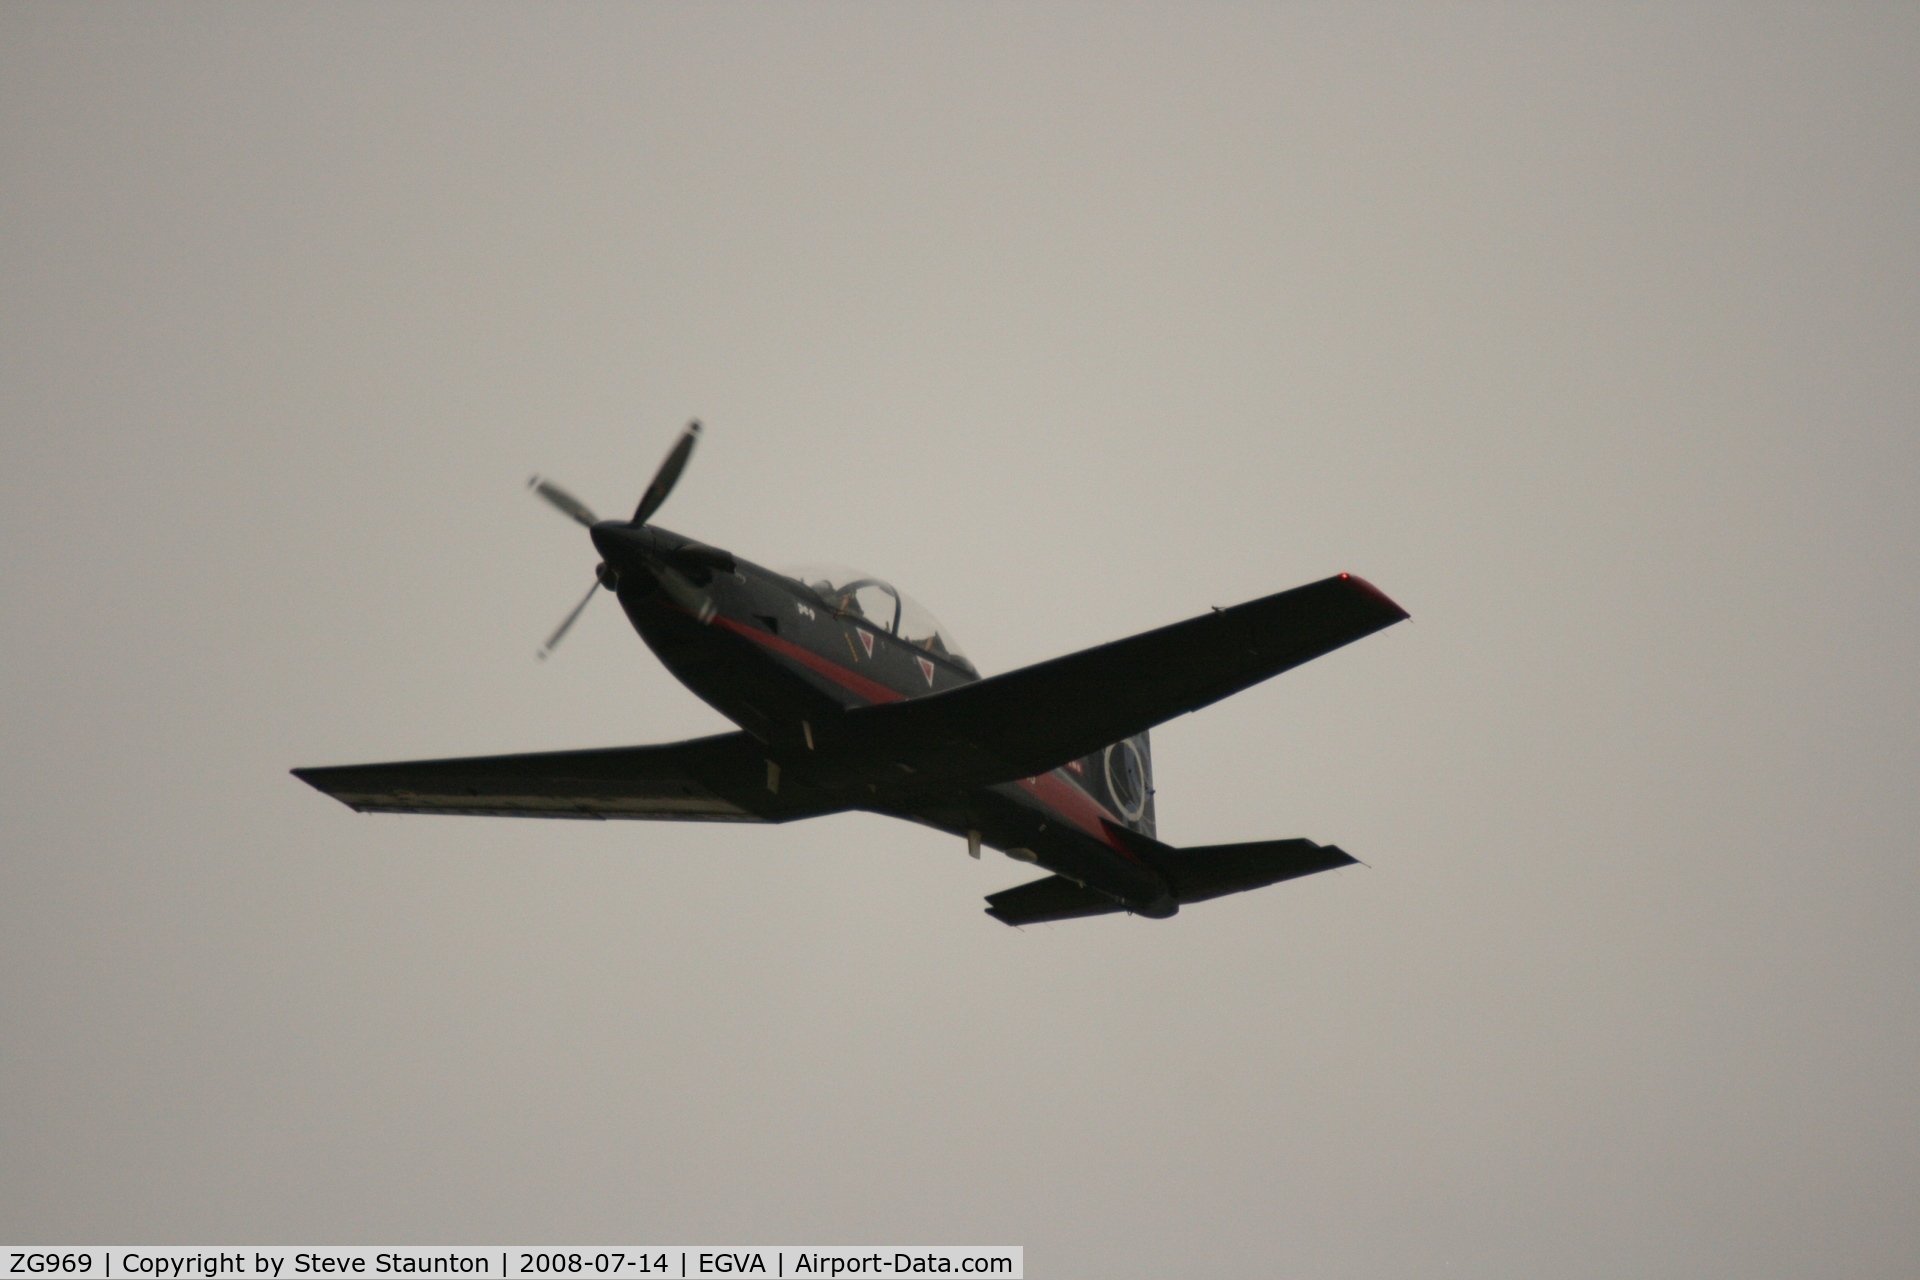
(1120, 776)
(1194, 875)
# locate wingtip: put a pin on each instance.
(1374, 593)
(1336, 851)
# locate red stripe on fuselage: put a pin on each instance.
(1077, 807)
(852, 681)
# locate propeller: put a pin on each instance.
(561, 630)
(668, 475)
(663, 481)
(560, 498)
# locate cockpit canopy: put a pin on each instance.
(854, 594)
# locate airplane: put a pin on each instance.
(850, 696)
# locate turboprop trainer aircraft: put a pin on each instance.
(850, 696)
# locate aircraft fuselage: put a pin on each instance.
(786, 664)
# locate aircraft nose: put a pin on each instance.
(619, 544)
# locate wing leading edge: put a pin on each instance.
(718, 779)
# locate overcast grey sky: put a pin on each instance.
(1590, 337)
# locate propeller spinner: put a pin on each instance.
(651, 501)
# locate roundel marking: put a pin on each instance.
(1126, 780)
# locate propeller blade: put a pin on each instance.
(565, 501)
(578, 609)
(668, 474)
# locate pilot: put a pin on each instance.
(841, 602)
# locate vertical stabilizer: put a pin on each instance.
(1120, 777)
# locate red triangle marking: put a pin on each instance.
(866, 639)
(926, 669)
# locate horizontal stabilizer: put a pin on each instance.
(1194, 875)
(1211, 871)
(1055, 898)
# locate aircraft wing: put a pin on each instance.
(718, 779)
(1026, 722)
